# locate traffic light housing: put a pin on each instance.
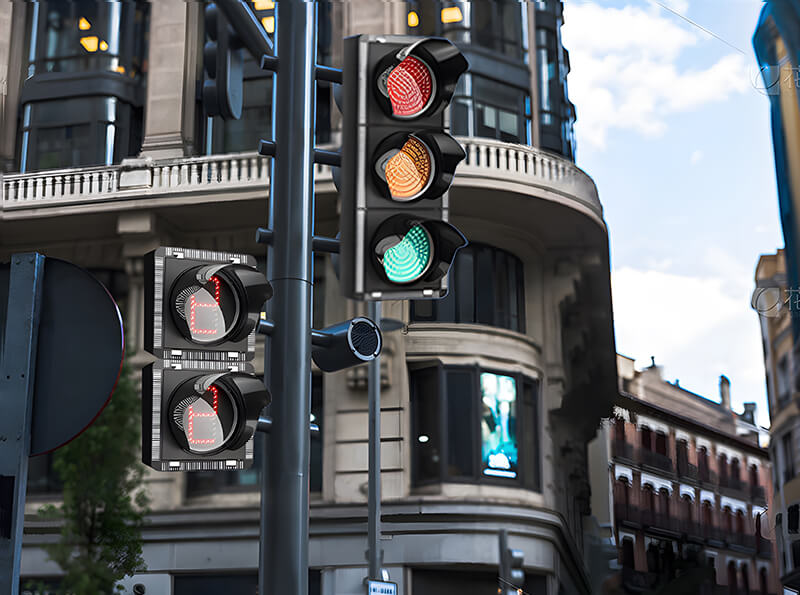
(398, 162)
(512, 576)
(223, 59)
(201, 400)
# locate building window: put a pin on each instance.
(244, 134)
(627, 553)
(500, 26)
(487, 286)
(763, 583)
(66, 118)
(722, 462)
(474, 425)
(732, 579)
(736, 475)
(200, 483)
(702, 464)
(788, 457)
(647, 440)
(488, 108)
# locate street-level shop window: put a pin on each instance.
(474, 425)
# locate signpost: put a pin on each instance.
(62, 346)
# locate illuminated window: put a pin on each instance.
(474, 425)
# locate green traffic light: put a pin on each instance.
(408, 260)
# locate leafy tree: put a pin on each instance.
(104, 501)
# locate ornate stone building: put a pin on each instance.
(108, 154)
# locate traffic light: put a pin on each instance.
(223, 60)
(512, 576)
(398, 162)
(201, 400)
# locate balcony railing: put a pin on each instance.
(654, 459)
(622, 449)
(686, 470)
(509, 164)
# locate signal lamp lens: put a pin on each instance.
(205, 421)
(409, 87)
(408, 172)
(406, 259)
(206, 311)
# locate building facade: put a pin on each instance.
(688, 491)
(773, 305)
(109, 154)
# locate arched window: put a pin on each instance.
(702, 463)
(727, 516)
(661, 443)
(487, 286)
(653, 557)
(688, 508)
(646, 436)
(736, 478)
(740, 522)
(664, 502)
(627, 553)
(753, 472)
(745, 580)
(763, 583)
(732, 578)
(722, 462)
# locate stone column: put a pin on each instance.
(173, 63)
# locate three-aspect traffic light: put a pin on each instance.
(223, 60)
(201, 400)
(398, 162)
(512, 576)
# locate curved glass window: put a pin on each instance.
(475, 425)
(491, 109)
(86, 35)
(487, 286)
(70, 118)
(500, 25)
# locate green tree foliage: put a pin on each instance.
(104, 501)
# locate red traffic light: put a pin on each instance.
(409, 87)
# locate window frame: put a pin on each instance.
(441, 310)
(529, 464)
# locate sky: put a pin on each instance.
(675, 131)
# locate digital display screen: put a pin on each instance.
(499, 454)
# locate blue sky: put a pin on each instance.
(676, 134)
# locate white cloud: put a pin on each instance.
(696, 327)
(625, 73)
(696, 156)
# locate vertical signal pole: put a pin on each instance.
(18, 366)
(374, 554)
(285, 559)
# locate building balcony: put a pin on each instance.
(687, 471)
(653, 459)
(622, 450)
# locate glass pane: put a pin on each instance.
(499, 425)
(530, 438)
(503, 297)
(425, 415)
(484, 286)
(465, 286)
(460, 419)
(66, 146)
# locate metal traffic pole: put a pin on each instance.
(17, 365)
(374, 553)
(285, 559)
